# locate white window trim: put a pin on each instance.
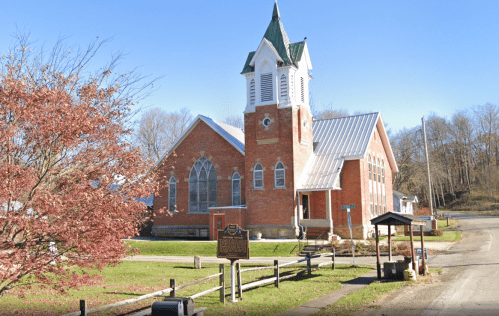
(232, 188)
(283, 175)
(172, 182)
(254, 177)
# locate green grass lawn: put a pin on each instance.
(442, 223)
(132, 279)
(448, 236)
(209, 249)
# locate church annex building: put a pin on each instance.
(286, 172)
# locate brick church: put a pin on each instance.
(286, 174)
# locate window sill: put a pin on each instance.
(258, 189)
(198, 213)
(280, 188)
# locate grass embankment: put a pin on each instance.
(209, 249)
(132, 279)
(448, 236)
(479, 201)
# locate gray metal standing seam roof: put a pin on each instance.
(336, 140)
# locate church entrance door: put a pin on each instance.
(219, 223)
(305, 206)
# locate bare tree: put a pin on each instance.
(158, 130)
(330, 113)
(234, 120)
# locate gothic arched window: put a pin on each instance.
(258, 176)
(236, 189)
(172, 195)
(202, 186)
(279, 175)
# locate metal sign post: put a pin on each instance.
(348, 207)
(233, 244)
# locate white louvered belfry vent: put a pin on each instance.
(291, 87)
(302, 83)
(252, 91)
(266, 87)
(284, 88)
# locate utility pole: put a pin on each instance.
(428, 168)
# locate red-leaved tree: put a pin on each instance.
(69, 181)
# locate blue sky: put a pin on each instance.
(404, 59)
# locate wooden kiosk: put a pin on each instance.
(395, 219)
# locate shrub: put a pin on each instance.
(436, 232)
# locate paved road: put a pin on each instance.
(469, 284)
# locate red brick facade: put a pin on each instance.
(272, 211)
(202, 141)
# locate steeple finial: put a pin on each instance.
(275, 13)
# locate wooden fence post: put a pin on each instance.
(173, 286)
(333, 257)
(309, 265)
(83, 307)
(239, 290)
(276, 273)
(222, 283)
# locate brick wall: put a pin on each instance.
(201, 141)
(287, 140)
(236, 215)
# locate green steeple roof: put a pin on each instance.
(275, 34)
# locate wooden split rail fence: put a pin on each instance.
(171, 290)
(276, 278)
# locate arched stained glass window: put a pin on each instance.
(202, 186)
(279, 175)
(258, 176)
(172, 195)
(236, 189)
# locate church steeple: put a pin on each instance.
(275, 14)
(277, 72)
(277, 36)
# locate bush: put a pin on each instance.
(436, 232)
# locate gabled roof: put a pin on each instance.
(231, 134)
(263, 43)
(392, 218)
(276, 35)
(405, 197)
(339, 139)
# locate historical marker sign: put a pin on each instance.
(233, 243)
